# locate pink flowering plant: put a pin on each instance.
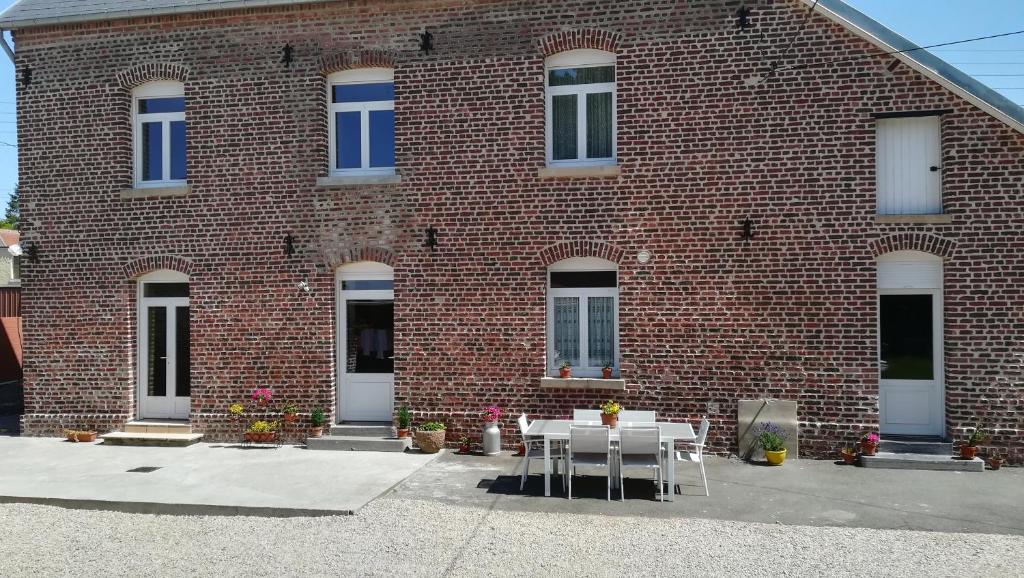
(262, 395)
(872, 438)
(492, 413)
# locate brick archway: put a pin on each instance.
(141, 266)
(579, 38)
(338, 61)
(924, 242)
(150, 71)
(569, 249)
(356, 254)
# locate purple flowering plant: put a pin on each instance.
(771, 437)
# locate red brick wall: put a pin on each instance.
(709, 320)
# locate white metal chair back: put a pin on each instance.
(637, 416)
(589, 439)
(702, 434)
(640, 441)
(586, 415)
(524, 425)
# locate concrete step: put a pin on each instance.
(359, 444)
(366, 429)
(158, 426)
(905, 461)
(911, 446)
(165, 440)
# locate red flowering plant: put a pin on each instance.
(492, 413)
(262, 395)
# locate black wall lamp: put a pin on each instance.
(426, 41)
(431, 241)
(289, 245)
(748, 230)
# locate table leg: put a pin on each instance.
(547, 466)
(670, 474)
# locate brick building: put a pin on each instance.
(232, 194)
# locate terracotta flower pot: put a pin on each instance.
(868, 448)
(403, 432)
(995, 463)
(80, 436)
(430, 442)
(260, 437)
(968, 452)
(848, 457)
(565, 372)
(521, 451)
(291, 417)
(610, 419)
(315, 432)
(262, 402)
(464, 448)
(606, 372)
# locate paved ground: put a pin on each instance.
(202, 478)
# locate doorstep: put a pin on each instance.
(914, 461)
(166, 440)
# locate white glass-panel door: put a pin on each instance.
(910, 360)
(164, 351)
(366, 342)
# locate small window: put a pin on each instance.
(581, 119)
(160, 149)
(909, 166)
(362, 123)
(15, 268)
(583, 316)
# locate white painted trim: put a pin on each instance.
(909, 270)
(584, 264)
(582, 58)
(360, 270)
(361, 76)
(356, 76)
(164, 276)
(156, 89)
(175, 407)
(586, 367)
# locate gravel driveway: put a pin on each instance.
(399, 536)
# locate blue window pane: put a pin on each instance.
(348, 140)
(178, 150)
(151, 105)
(152, 151)
(364, 92)
(382, 138)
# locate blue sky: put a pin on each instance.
(998, 63)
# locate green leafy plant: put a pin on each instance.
(565, 365)
(317, 417)
(404, 417)
(289, 407)
(432, 426)
(770, 437)
(977, 437)
(463, 440)
(261, 426)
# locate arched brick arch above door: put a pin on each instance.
(338, 61)
(579, 38)
(924, 242)
(143, 265)
(569, 249)
(356, 254)
(150, 71)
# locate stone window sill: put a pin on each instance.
(149, 192)
(351, 180)
(582, 383)
(598, 171)
(914, 219)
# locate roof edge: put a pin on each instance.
(935, 68)
(184, 8)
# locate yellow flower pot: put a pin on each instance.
(775, 458)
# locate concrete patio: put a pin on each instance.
(202, 479)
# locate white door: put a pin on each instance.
(366, 323)
(910, 344)
(164, 368)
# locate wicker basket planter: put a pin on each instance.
(430, 442)
(260, 437)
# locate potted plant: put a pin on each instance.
(565, 370)
(848, 454)
(75, 435)
(236, 410)
(289, 411)
(606, 371)
(995, 462)
(869, 444)
(262, 396)
(404, 420)
(261, 431)
(491, 435)
(772, 440)
(464, 444)
(969, 449)
(430, 437)
(610, 413)
(316, 422)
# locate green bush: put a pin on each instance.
(432, 426)
(317, 418)
(404, 417)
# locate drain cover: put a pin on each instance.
(144, 469)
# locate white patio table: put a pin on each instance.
(558, 429)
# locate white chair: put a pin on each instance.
(586, 415)
(697, 455)
(636, 416)
(589, 445)
(640, 447)
(534, 450)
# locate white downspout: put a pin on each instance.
(7, 47)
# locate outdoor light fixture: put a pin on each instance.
(748, 230)
(286, 55)
(643, 256)
(431, 238)
(289, 245)
(426, 41)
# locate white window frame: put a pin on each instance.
(357, 76)
(157, 89)
(582, 58)
(586, 368)
(15, 268)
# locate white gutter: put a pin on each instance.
(7, 47)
